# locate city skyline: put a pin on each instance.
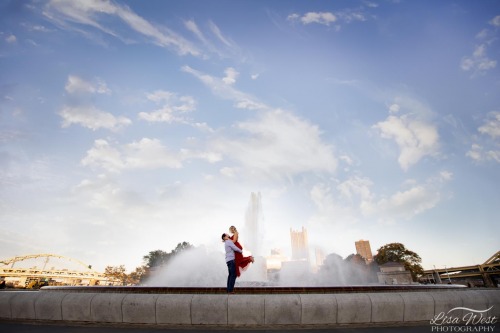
(127, 126)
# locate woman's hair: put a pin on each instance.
(233, 228)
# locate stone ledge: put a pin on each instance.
(258, 310)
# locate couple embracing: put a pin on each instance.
(235, 260)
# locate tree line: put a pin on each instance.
(151, 261)
(334, 264)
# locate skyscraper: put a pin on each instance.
(363, 249)
(300, 244)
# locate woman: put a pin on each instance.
(241, 262)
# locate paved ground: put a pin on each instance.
(40, 327)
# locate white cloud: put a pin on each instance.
(356, 187)
(446, 175)
(278, 144)
(403, 204)
(493, 155)
(150, 154)
(103, 155)
(495, 21)
(228, 172)
(488, 149)
(476, 152)
(90, 13)
(318, 17)
(492, 125)
(479, 62)
(191, 26)
(145, 154)
(220, 88)
(231, 75)
(216, 31)
(91, 117)
(415, 138)
(76, 84)
(11, 39)
(394, 108)
(172, 107)
(327, 18)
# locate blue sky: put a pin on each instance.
(131, 126)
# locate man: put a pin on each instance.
(231, 265)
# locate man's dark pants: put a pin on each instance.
(231, 278)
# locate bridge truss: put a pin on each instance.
(488, 272)
(79, 274)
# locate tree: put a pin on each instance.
(332, 272)
(397, 252)
(116, 273)
(355, 259)
(156, 258)
(136, 276)
(181, 247)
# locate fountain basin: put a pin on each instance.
(256, 290)
(254, 307)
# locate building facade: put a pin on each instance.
(300, 244)
(363, 249)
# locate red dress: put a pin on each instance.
(240, 261)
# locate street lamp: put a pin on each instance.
(449, 280)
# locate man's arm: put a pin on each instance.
(234, 247)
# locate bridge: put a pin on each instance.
(29, 274)
(487, 274)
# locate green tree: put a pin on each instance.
(181, 247)
(355, 259)
(397, 252)
(156, 258)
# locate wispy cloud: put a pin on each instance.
(172, 107)
(277, 144)
(328, 18)
(495, 21)
(145, 154)
(86, 114)
(11, 39)
(91, 13)
(353, 200)
(487, 146)
(223, 87)
(480, 62)
(91, 117)
(217, 32)
(325, 18)
(231, 75)
(76, 84)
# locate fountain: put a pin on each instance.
(196, 296)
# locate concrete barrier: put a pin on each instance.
(173, 309)
(244, 309)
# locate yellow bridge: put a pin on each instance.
(22, 276)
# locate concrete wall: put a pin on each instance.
(243, 309)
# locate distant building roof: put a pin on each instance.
(392, 264)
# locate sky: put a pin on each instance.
(131, 126)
